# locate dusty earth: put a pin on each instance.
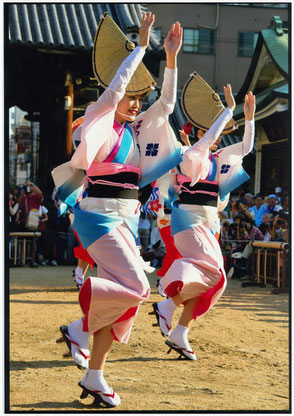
(242, 346)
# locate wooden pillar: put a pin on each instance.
(69, 115)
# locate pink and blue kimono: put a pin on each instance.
(203, 183)
(118, 160)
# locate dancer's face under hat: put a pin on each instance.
(128, 108)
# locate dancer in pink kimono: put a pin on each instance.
(197, 280)
(107, 219)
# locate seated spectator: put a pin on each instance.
(249, 231)
(272, 205)
(234, 234)
(249, 198)
(280, 230)
(266, 229)
(258, 209)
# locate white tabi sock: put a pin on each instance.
(179, 336)
(166, 308)
(94, 380)
(75, 331)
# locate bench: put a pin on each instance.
(22, 238)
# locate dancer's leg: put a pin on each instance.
(179, 336)
(186, 317)
(102, 341)
(93, 380)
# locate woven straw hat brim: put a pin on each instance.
(110, 49)
(202, 106)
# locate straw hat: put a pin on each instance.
(110, 49)
(201, 105)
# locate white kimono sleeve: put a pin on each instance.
(248, 138)
(196, 163)
(99, 116)
(168, 95)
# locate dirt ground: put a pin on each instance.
(242, 346)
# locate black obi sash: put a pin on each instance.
(207, 193)
(98, 190)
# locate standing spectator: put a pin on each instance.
(272, 205)
(13, 216)
(278, 191)
(31, 199)
(258, 210)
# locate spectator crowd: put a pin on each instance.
(250, 217)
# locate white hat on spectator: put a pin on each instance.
(278, 190)
(272, 196)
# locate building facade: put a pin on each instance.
(219, 38)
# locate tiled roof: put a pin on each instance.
(267, 102)
(69, 25)
(277, 46)
(269, 64)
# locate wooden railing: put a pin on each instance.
(22, 238)
(264, 252)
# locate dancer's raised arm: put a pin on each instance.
(249, 111)
(109, 99)
(195, 165)
(172, 45)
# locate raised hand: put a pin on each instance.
(173, 41)
(230, 100)
(249, 106)
(185, 138)
(144, 32)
